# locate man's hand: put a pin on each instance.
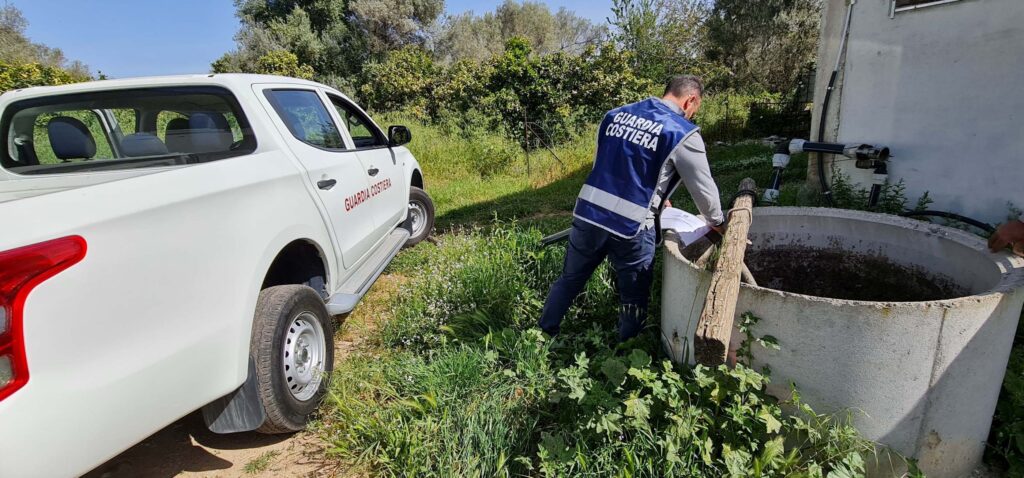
(1009, 234)
(668, 204)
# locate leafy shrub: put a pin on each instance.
(469, 387)
(283, 63)
(556, 93)
(460, 94)
(404, 80)
(24, 75)
(892, 198)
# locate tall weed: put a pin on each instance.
(468, 386)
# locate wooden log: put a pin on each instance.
(714, 329)
(748, 276)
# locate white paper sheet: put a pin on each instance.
(689, 227)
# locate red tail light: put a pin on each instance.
(21, 270)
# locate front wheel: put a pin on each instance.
(420, 221)
(293, 349)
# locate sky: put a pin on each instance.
(124, 38)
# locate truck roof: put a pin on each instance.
(228, 80)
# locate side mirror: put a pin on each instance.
(398, 135)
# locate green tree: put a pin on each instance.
(393, 24)
(335, 37)
(468, 36)
(283, 63)
(764, 44)
(404, 79)
(559, 93)
(664, 37)
(24, 75)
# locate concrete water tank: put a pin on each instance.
(906, 324)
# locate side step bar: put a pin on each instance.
(356, 286)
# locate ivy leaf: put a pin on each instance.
(609, 423)
(639, 359)
(614, 370)
(770, 422)
(637, 408)
(852, 466)
(706, 449)
(736, 461)
(769, 342)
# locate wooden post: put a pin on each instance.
(714, 329)
(526, 142)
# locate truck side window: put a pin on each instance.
(364, 133)
(306, 117)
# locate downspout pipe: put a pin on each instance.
(826, 191)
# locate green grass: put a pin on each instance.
(457, 381)
(260, 463)
(475, 175)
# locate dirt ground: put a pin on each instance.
(187, 449)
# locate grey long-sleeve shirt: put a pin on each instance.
(690, 161)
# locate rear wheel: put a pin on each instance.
(293, 349)
(420, 222)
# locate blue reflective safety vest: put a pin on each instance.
(633, 145)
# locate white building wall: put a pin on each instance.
(943, 86)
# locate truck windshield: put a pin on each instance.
(123, 129)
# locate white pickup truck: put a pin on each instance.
(177, 243)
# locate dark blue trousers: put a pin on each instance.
(632, 260)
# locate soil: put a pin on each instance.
(187, 449)
(841, 274)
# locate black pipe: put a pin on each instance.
(876, 186)
(826, 192)
(826, 148)
(949, 215)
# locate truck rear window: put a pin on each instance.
(123, 129)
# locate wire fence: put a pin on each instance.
(783, 118)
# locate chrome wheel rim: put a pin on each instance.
(417, 218)
(304, 353)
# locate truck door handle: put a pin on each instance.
(326, 184)
(372, 171)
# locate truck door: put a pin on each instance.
(332, 167)
(385, 170)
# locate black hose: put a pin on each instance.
(826, 148)
(949, 215)
(826, 192)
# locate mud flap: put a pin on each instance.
(238, 411)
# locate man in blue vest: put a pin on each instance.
(644, 150)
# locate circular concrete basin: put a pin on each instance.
(905, 324)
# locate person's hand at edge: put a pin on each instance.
(1008, 234)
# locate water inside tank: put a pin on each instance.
(842, 274)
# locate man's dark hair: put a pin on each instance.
(681, 85)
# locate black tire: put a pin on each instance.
(420, 198)
(279, 311)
